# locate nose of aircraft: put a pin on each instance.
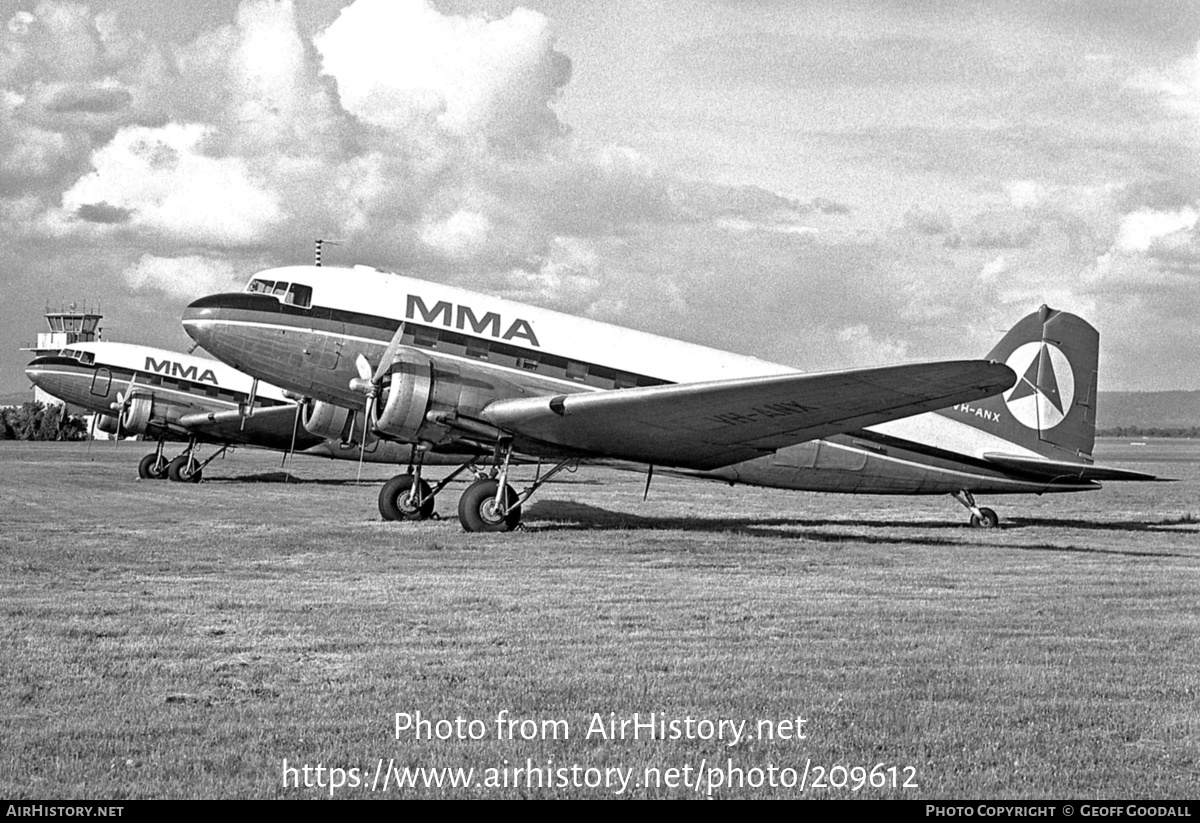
(46, 372)
(200, 315)
(210, 320)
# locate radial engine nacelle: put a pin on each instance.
(413, 394)
(106, 423)
(136, 413)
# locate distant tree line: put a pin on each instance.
(37, 421)
(1152, 431)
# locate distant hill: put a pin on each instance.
(1147, 410)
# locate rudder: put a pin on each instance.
(1052, 407)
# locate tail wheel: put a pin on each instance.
(986, 519)
(178, 471)
(395, 499)
(151, 469)
(477, 509)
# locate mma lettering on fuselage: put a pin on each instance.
(990, 416)
(170, 367)
(461, 317)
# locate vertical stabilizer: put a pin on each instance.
(1052, 407)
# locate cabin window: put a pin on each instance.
(212, 391)
(280, 289)
(624, 381)
(425, 337)
(87, 358)
(577, 371)
(477, 348)
(299, 295)
(529, 363)
(257, 286)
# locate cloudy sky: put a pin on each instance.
(822, 184)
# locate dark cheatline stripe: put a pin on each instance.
(426, 337)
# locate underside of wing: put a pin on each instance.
(713, 424)
(1061, 470)
(270, 427)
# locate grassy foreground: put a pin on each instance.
(178, 641)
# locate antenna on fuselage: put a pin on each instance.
(319, 244)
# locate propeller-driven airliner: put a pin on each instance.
(174, 397)
(434, 366)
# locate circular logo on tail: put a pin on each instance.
(1045, 387)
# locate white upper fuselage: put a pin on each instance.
(326, 317)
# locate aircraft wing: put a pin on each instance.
(713, 424)
(1061, 470)
(270, 426)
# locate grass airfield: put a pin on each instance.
(177, 641)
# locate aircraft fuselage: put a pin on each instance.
(308, 342)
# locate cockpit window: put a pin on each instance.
(299, 295)
(84, 357)
(293, 294)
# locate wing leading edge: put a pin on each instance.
(713, 424)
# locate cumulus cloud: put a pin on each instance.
(1143, 228)
(403, 65)
(161, 180)
(183, 277)
(867, 349)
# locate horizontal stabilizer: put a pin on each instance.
(713, 424)
(1060, 470)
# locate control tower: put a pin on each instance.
(69, 325)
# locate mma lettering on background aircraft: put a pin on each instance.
(463, 316)
(174, 369)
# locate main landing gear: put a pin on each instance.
(186, 468)
(487, 505)
(981, 518)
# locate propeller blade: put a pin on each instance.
(362, 446)
(389, 354)
(295, 426)
(363, 365)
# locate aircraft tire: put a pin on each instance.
(177, 471)
(477, 512)
(393, 504)
(989, 520)
(146, 468)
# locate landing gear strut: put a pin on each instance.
(981, 518)
(187, 468)
(153, 466)
(408, 497)
(490, 504)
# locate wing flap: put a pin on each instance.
(713, 424)
(1061, 470)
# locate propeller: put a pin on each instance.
(119, 408)
(369, 382)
